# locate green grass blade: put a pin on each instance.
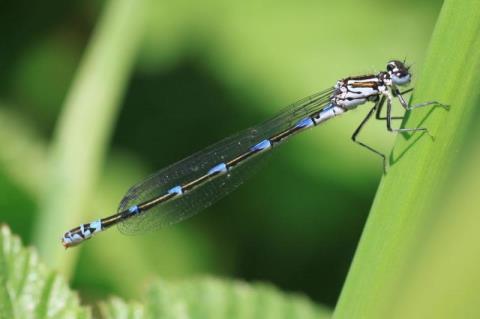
(445, 280)
(85, 125)
(403, 210)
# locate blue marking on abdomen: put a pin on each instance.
(306, 122)
(219, 168)
(327, 108)
(96, 225)
(176, 190)
(134, 210)
(263, 145)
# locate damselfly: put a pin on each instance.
(184, 188)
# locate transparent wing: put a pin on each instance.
(196, 165)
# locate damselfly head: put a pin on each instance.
(399, 72)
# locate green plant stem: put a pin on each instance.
(402, 210)
(85, 125)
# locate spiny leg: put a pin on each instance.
(397, 92)
(381, 103)
(389, 122)
(436, 103)
(405, 105)
(359, 128)
(380, 106)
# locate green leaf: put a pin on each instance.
(28, 289)
(215, 298)
(407, 215)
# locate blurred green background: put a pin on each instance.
(202, 71)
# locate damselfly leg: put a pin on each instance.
(401, 130)
(377, 108)
(362, 124)
(378, 116)
(407, 107)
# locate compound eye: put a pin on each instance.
(400, 78)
